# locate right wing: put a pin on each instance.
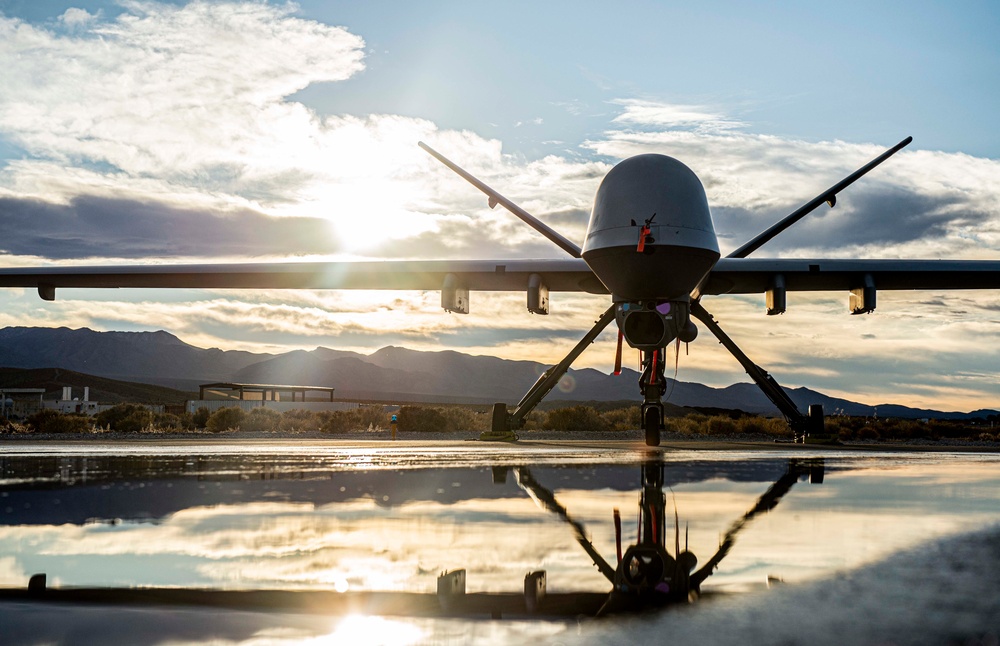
(757, 275)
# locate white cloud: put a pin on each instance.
(360, 321)
(191, 96)
(11, 572)
(638, 112)
(75, 17)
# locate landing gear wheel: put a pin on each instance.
(651, 424)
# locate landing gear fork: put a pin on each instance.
(653, 385)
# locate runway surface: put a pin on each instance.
(871, 546)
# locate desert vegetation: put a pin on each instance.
(869, 429)
(428, 420)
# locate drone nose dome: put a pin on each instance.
(651, 219)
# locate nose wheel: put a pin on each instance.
(653, 385)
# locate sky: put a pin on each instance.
(171, 132)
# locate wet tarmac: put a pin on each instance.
(308, 542)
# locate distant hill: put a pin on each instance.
(103, 390)
(163, 359)
(131, 356)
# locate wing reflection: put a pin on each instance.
(648, 575)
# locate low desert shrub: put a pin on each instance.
(416, 419)
(261, 420)
(622, 419)
(168, 422)
(51, 421)
(338, 421)
(225, 419)
(370, 418)
(300, 420)
(125, 418)
(200, 417)
(693, 424)
(776, 426)
(720, 425)
(867, 434)
(576, 418)
(365, 418)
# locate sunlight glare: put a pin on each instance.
(374, 631)
(367, 213)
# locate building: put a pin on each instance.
(68, 404)
(275, 397)
(18, 403)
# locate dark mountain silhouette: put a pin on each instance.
(163, 359)
(130, 356)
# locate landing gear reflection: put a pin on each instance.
(653, 385)
(651, 425)
(649, 574)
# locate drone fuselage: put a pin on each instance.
(651, 241)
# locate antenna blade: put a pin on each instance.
(496, 198)
(830, 196)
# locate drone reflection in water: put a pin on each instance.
(296, 525)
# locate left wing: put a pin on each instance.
(569, 275)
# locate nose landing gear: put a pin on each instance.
(653, 386)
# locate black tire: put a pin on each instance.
(651, 424)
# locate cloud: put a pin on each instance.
(918, 203)
(362, 321)
(75, 17)
(187, 106)
(654, 114)
(870, 222)
(99, 227)
(191, 94)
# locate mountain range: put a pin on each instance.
(162, 359)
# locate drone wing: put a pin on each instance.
(477, 275)
(862, 278)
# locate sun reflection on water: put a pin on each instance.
(374, 631)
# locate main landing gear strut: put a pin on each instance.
(506, 422)
(802, 425)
